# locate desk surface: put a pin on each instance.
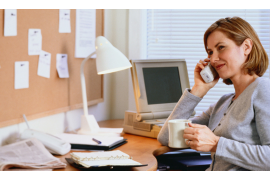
(142, 149)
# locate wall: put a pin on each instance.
(117, 34)
(115, 89)
(137, 45)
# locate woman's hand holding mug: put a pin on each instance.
(200, 138)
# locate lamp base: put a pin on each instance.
(89, 125)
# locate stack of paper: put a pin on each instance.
(29, 154)
(79, 141)
(97, 159)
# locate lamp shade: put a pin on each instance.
(109, 59)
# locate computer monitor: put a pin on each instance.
(158, 83)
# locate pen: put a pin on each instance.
(97, 141)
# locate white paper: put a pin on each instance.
(85, 32)
(21, 75)
(10, 25)
(62, 65)
(44, 64)
(64, 21)
(34, 41)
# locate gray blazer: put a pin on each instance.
(243, 127)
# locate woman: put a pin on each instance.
(236, 129)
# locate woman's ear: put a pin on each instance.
(247, 46)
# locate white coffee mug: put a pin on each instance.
(176, 132)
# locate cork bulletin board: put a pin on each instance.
(44, 96)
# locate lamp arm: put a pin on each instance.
(84, 95)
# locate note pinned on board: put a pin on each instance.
(10, 24)
(62, 65)
(21, 75)
(64, 21)
(44, 64)
(34, 41)
(85, 32)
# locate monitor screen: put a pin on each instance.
(162, 84)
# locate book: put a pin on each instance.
(113, 155)
(86, 142)
(101, 159)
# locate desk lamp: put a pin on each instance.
(108, 59)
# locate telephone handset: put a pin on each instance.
(54, 144)
(208, 73)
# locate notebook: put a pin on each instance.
(100, 159)
(86, 142)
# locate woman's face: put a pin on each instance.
(225, 55)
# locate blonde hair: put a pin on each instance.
(239, 30)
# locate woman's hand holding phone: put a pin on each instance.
(200, 87)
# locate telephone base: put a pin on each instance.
(148, 128)
(131, 130)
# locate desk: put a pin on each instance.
(142, 149)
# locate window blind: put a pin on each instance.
(178, 33)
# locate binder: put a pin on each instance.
(102, 160)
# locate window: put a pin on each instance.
(179, 34)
